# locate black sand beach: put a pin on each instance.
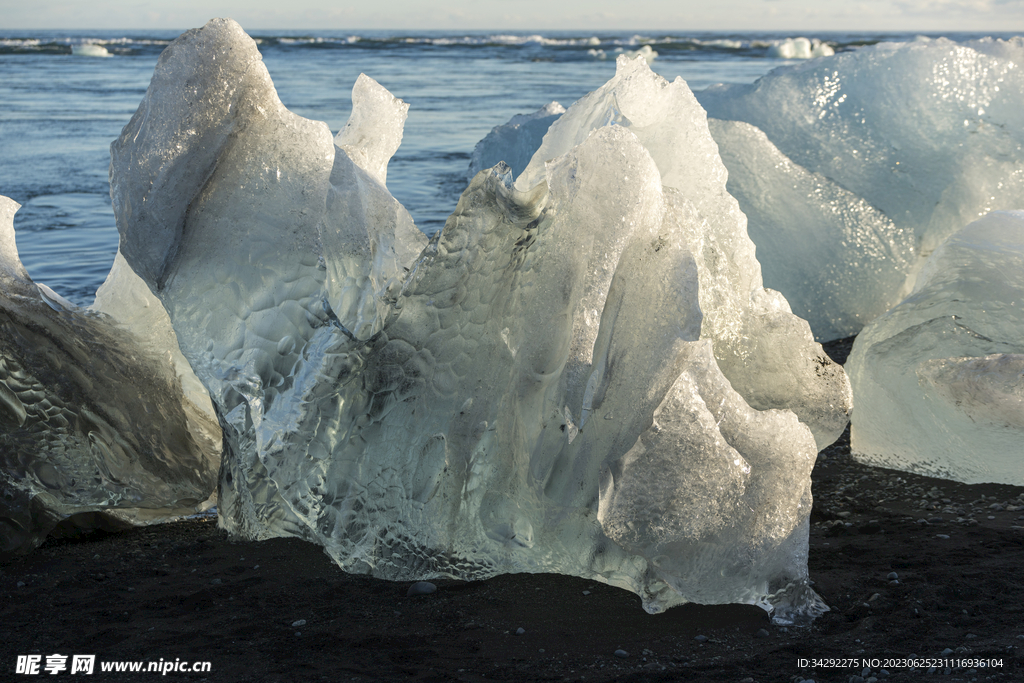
(185, 591)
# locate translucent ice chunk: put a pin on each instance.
(367, 237)
(938, 379)
(374, 129)
(529, 381)
(514, 142)
(680, 519)
(839, 261)
(766, 352)
(931, 132)
(125, 297)
(92, 419)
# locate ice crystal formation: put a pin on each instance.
(851, 169)
(581, 373)
(93, 419)
(940, 378)
(864, 162)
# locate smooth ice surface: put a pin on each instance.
(532, 390)
(92, 419)
(839, 261)
(125, 297)
(930, 133)
(766, 352)
(514, 142)
(939, 379)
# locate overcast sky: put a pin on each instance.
(785, 15)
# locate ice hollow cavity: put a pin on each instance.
(95, 425)
(939, 379)
(561, 380)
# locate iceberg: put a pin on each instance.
(799, 48)
(939, 379)
(766, 352)
(839, 261)
(580, 373)
(95, 426)
(90, 50)
(930, 133)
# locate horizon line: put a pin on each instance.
(537, 30)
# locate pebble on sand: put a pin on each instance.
(421, 588)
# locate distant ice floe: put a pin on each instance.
(90, 50)
(799, 48)
(646, 51)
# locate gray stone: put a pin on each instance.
(421, 588)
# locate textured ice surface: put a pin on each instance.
(533, 390)
(930, 133)
(92, 419)
(514, 142)
(255, 232)
(839, 261)
(939, 380)
(766, 352)
(374, 129)
(867, 163)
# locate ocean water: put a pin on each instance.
(63, 106)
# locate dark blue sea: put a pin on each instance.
(62, 106)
